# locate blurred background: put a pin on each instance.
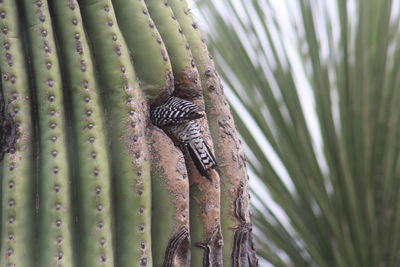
(314, 87)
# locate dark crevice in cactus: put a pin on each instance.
(243, 252)
(126, 117)
(55, 214)
(212, 256)
(49, 70)
(205, 195)
(235, 184)
(234, 179)
(70, 141)
(187, 86)
(177, 251)
(170, 197)
(17, 174)
(59, 11)
(147, 49)
(35, 141)
(166, 91)
(35, 121)
(238, 205)
(8, 131)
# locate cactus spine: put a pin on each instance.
(80, 151)
(127, 119)
(92, 166)
(150, 56)
(204, 220)
(170, 190)
(55, 215)
(17, 172)
(235, 214)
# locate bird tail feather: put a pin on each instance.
(202, 157)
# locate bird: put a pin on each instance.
(179, 118)
(174, 111)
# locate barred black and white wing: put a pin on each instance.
(202, 157)
(179, 119)
(175, 111)
(189, 134)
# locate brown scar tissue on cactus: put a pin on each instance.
(109, 150)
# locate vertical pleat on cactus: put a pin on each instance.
(149, 54)
(55, 209)
(235, 217)
(17, 172)
(126, 123)
(205, 198)
(86, 179)
(89, 139)
(170, 191)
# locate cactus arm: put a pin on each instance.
(17, 177)
(126, 120)
(55, 218)
(145, 44)
(170, 194)
(94, 178)
(235, 215)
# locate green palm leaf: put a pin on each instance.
(314, 86)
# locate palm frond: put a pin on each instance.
(314, 86)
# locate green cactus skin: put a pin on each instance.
(170, 201)
(55, 214)
(177, 46)
(94, 178)
(17, 173)
(150, 56)
(127, 119)
(235, 217)
(205, 228)
(205, 196)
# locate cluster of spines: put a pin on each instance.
(126, 129)
(55, 213)
(187, 86)
(170, 195)
(54, 178)
(150, 55)
(175, 42)
(222, 128)
(90, 145)
(16, 173)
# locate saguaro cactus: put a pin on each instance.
(86, 179)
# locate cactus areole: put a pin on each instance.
(87, 177)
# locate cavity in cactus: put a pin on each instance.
(86, 178)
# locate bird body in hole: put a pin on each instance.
(175, 111)
(179, 119)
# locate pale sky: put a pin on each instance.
(286, 12)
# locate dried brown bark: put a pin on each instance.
(170, 197)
